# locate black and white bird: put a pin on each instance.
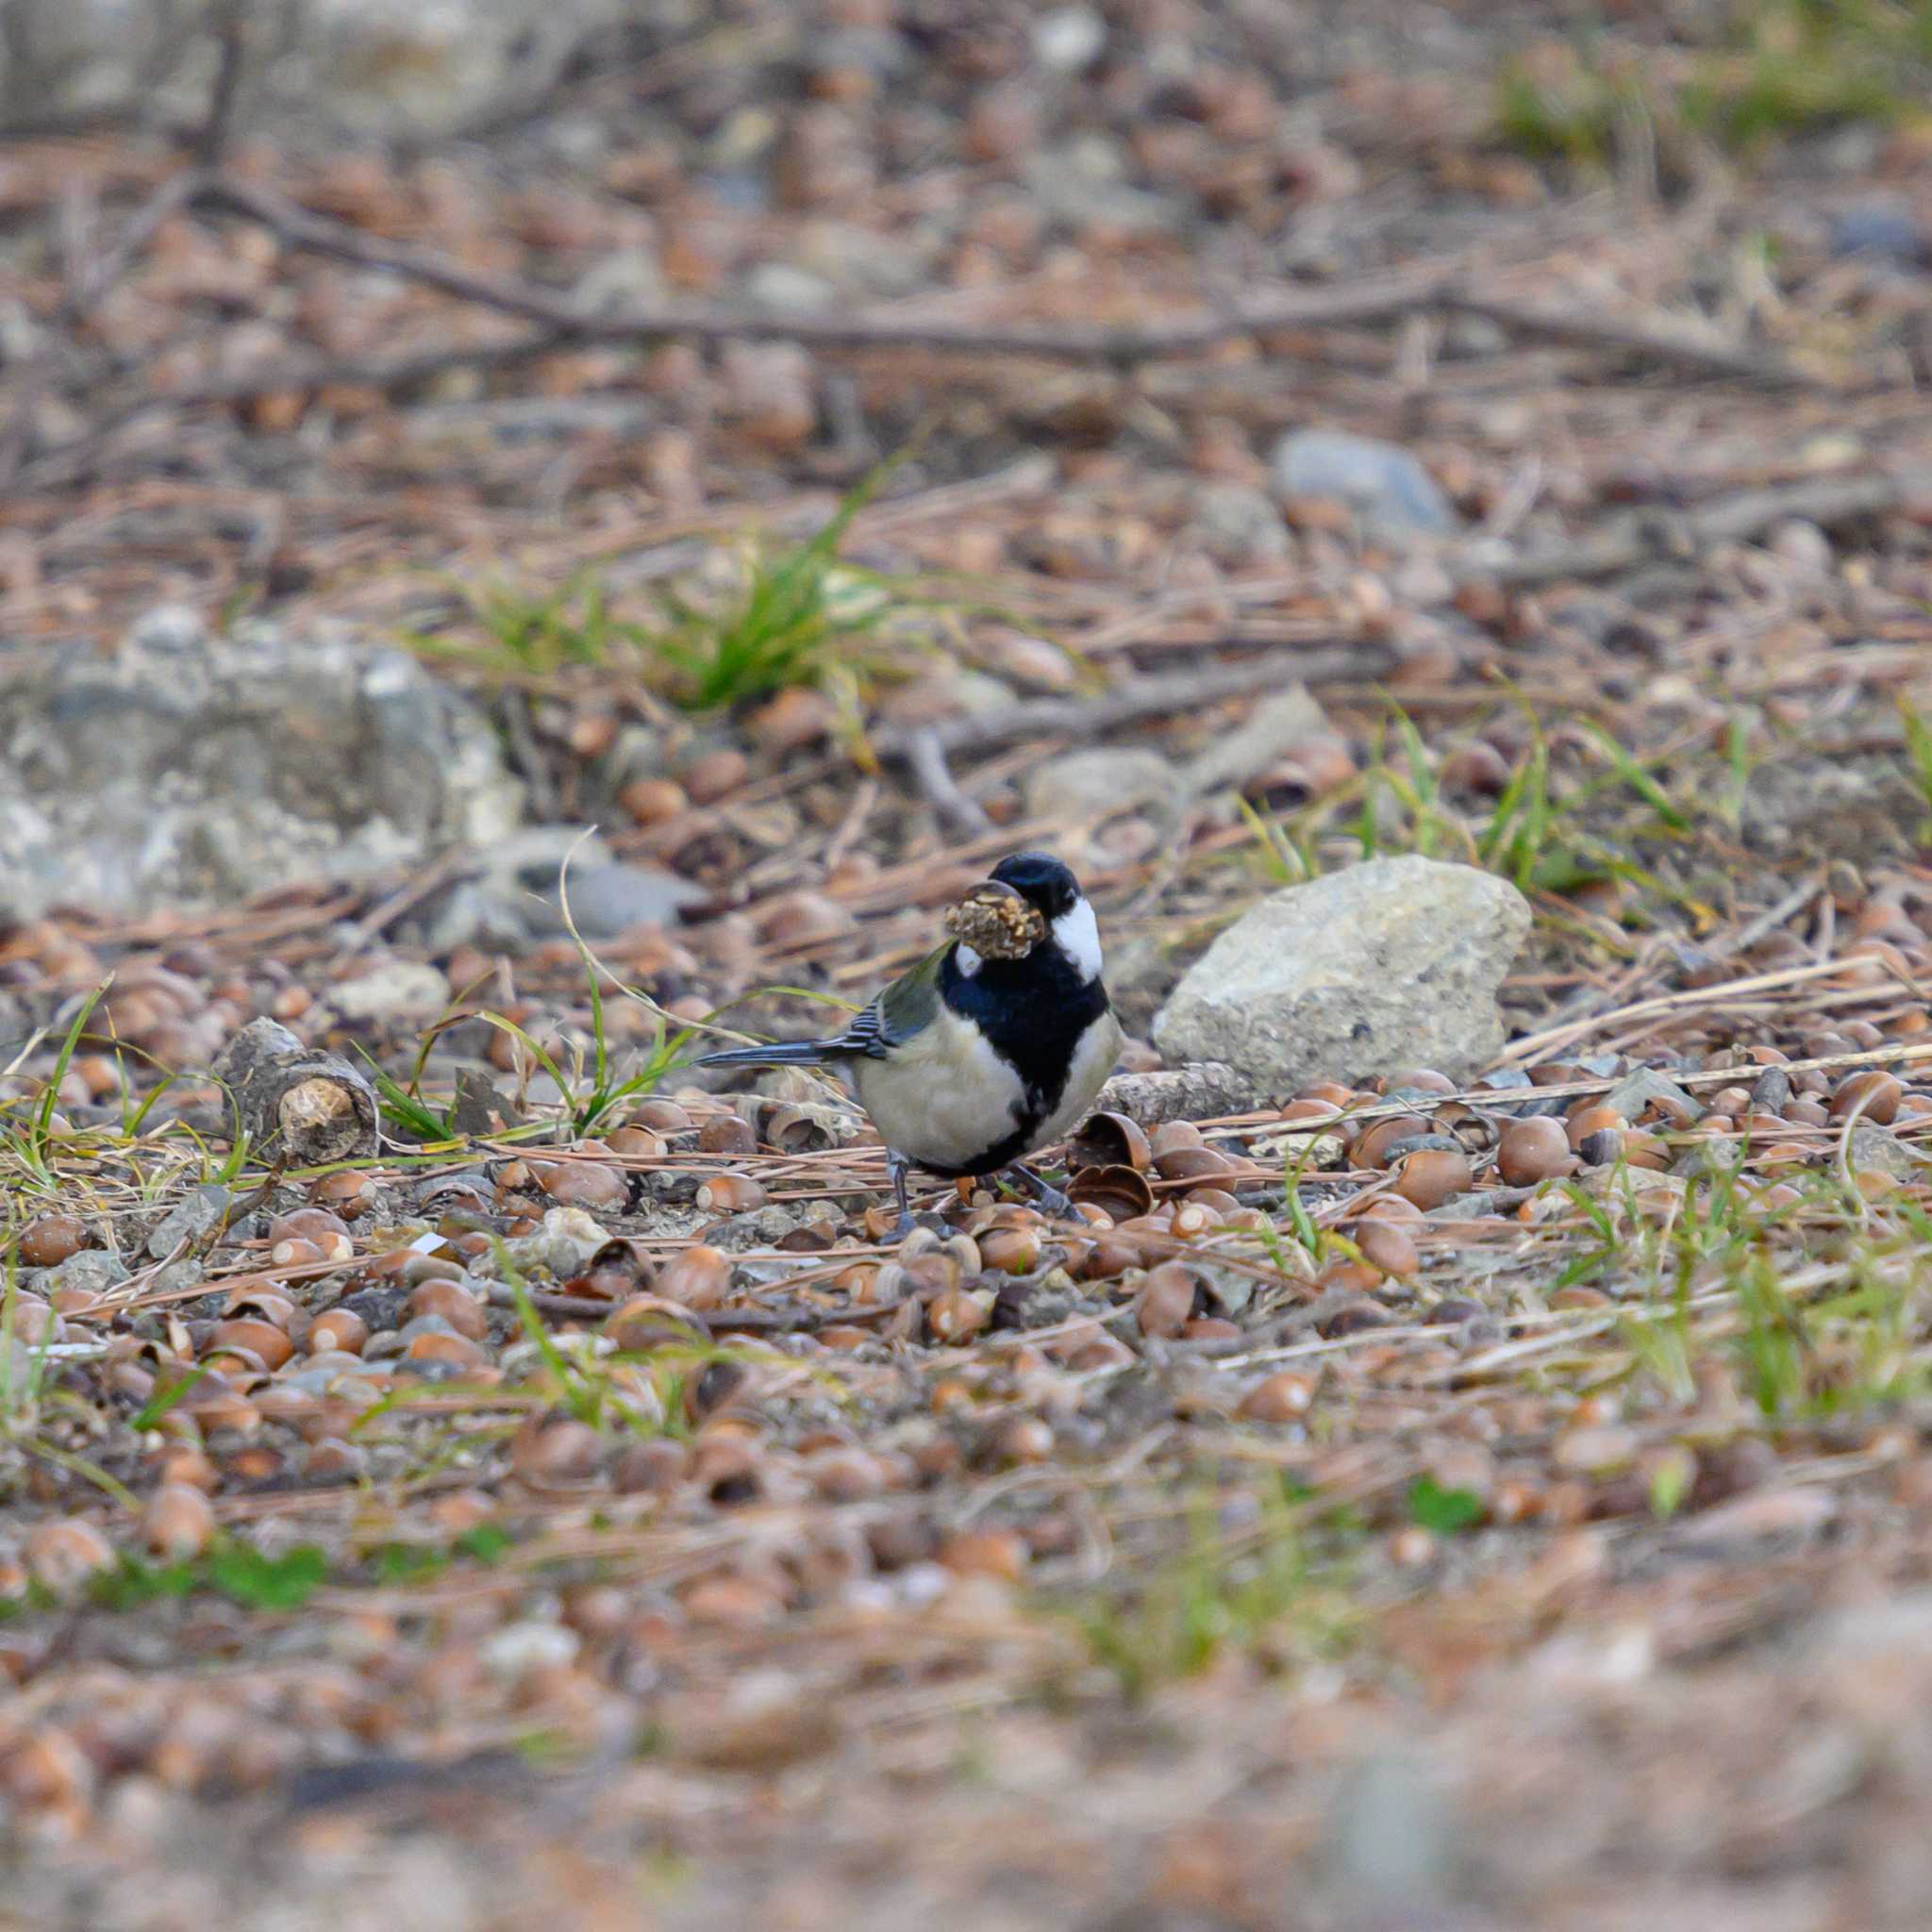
(990, 1047)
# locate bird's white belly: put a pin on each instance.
(944, 1098)
(1094, 1060)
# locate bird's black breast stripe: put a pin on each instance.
(1034, 1012)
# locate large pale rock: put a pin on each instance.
(1392, 963)
(429, 66)
(188, 769)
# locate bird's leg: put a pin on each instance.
(896, 1165)
(1048, 1195)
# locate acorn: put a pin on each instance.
(50, 1238)
(696, 1278)
(455, 1305)
(61, 1555)
(1278, 1398)
(177, 1522)
(337, 1329)
(269, 1345)
(1165, 1299)
(1532, 1151)
(653, 801)
(730, 1193)
(727, 1133)
(1874, 1095)
(1431, 1175)
(1371, 1148)
(957, 1314)
(1385, 1246)
(586, 1184)
(1193, 1164)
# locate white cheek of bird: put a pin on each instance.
(1076, 932)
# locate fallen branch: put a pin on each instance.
(1651, 535)
(1656, 341)
(927, 757)
(562, 318)
(1145, 697)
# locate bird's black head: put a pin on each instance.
(1043, 881)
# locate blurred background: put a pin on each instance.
(822, 444)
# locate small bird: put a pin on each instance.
(990, 1047)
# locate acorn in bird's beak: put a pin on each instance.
(996, 921)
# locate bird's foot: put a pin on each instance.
(1048, 1197)
(896, 1165)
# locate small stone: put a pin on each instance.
(777, 285)
(1245, 524)
(1645, 1086)
(1088, 787)
(397, 989)
(193, 1217)
(518, 1649)
(1874, 1150)
(1596, 1449)
(1390, 963)
(1068, 38)
(1384, 484)
(1893, 234)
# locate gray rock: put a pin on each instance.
(1889, 232)
(371, 62)
(1874, 1149)
(1385, 487)
(92, 1270)
(1642, 1085)
(779, 286)
(1244, 523)
(1392, 963)
(1810, 807)
(606, 900)
(1068, 38)
(511, 894)
(190, 771)
(1393, 1837)
(189, 1221)
(1088, 787)
(1173, 1094)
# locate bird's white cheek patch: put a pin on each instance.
(967, 961)
(1077, 934)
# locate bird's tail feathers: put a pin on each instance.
(791, 1053)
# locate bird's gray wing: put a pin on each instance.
(904, 1008)
(894, 1016)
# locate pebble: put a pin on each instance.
(1068, 38)
(193, 1217)
(1385, 485)
(397, 989)
(1893, 234)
